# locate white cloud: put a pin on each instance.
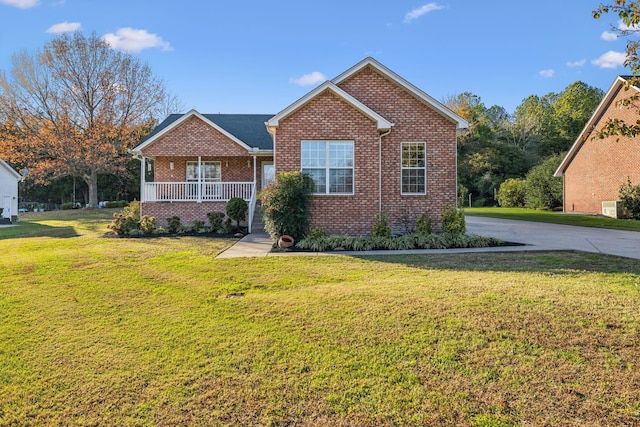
(64, 27)
(546, 73)
(418, 12)
(624, 27)
(133, 41)
(609, 36)
(309, 79)
(576, 63)
(22, 4)
(611, 59)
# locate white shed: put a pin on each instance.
(9, 179)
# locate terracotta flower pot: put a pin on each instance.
(285, 241)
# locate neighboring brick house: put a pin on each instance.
(594, 168)
(371, 141)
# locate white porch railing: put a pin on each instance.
(197, 192)
(202, 192)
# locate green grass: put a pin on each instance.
(524, 214)
(157, 332)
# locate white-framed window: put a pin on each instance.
(414, 168)
(211, 171)
(329, 164)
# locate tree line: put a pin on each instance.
(500, 146)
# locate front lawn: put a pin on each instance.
(524, 214)
(157, 332)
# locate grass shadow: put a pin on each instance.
(35, 229)
(557, 262)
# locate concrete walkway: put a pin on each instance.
(535, 236)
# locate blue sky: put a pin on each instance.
(260, 56)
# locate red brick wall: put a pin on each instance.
(234, 169)
(601, 166)
(194, 137)
(329, 118)
(187, 211)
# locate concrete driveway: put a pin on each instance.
(542, 236)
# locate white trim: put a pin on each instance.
(443, 110)
(424, 144)
(178, 122)
(591, 123)
(382, 123)
(11, 170)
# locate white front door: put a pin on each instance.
(268, 173)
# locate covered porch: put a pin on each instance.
(202, 186)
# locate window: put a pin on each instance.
(414, 168)
(211, 171)
(330, 165)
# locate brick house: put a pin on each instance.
(594, 169)
(372, 142)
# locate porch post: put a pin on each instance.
(199, 190)
(254, 170)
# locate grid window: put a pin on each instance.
(414, 168)
(211, 171)
(329, 164)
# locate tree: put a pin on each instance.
(75, 107)
(544, 190)
(512, 193)
(629, 14)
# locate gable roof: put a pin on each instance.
(10, 169)
(417, 92)
(618, 83)
(382, 123)
(246, 130)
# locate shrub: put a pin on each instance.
(423, 224)
(67, 206)
(453, 221)
(317, 233)
(407, 241)
(237, 210)
(147, 224)
(127, 220)
(543, 189)
(286, 204)
(198, 226)
(381, 226)
(512, 193)
(215, 220)
(630, 196)
(173, 224)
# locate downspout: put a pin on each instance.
(380, 168)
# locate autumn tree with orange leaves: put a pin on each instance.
(75, 107)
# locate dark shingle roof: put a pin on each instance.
(248, 128)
